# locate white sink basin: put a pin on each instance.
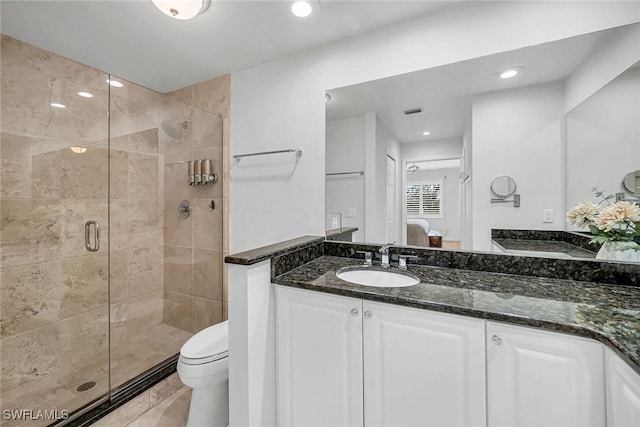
(379, 277)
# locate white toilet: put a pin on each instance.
(204, 366)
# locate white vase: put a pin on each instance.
(619, 251)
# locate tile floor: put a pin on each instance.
(129, 359)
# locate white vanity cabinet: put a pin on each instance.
(420, 368)
(539, 378)
(623, 392)
(318, 359)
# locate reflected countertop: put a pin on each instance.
(607, 313)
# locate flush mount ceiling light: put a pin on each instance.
(85, 94)
(301, 9)
(182, 9)
(509, 72)
(58, 105)
(413, 168)
(114, 83)
(426, 133)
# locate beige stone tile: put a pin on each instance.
(178, 310)
(172, 412)
(178, 269)
(86, 175)
(46, 175)
(118, 275)
(135, 314)
(30, 297)
(126, 413)
(213, 95)
(145, 142)
(83, 337)
(143, 176)
(225, 222)
(145, 223)
(30, 232)
(164, 389)
(85, 281)
(15, 165)
(225, 311)
(183, 95)
(31, 355)
(145, 270)
(206, 312)
(119, 174)
(207, 224)
(176, 182)
(211, 129)
(177, 230)
(207, 274)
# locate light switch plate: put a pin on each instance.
(547, 215)
(351, 212)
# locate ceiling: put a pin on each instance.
(445, 93)
(134, 40)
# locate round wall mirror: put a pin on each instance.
(503, 186)
(631, 182)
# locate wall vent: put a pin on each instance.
(413, 111)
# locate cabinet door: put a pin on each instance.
(623, 393)
(319, 359)
(538, 378)
(422, 368)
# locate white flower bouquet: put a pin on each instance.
(614, 222)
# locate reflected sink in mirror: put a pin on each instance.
(377, 276)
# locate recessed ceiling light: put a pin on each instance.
(114, 83)
(85, 94)
(327, 97)
(426, 132)
(58, 105)
(509, 72)
(301, 9)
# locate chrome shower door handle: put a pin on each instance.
(87, 236)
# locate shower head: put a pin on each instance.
(174, 130)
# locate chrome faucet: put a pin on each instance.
(385, 255)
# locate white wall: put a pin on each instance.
(450, 223)
(345, 153)
(436, 148)
(281, 104)
(466, 190)
(518, 133)
(603, 139)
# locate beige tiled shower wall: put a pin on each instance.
(205, 295)
(53, 292)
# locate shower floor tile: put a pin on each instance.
(58, 391)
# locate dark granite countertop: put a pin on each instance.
(544, 247)
(607, 313)
(254, 256)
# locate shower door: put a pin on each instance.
(54, 260)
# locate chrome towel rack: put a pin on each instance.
(361, 173)
(298, 152)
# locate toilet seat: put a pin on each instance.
(207, 346)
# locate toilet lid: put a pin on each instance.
(209, 342)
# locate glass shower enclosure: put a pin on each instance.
(102, 276)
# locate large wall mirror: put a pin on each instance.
(430, 142)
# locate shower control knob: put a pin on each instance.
(354, 312)
(496, 340)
